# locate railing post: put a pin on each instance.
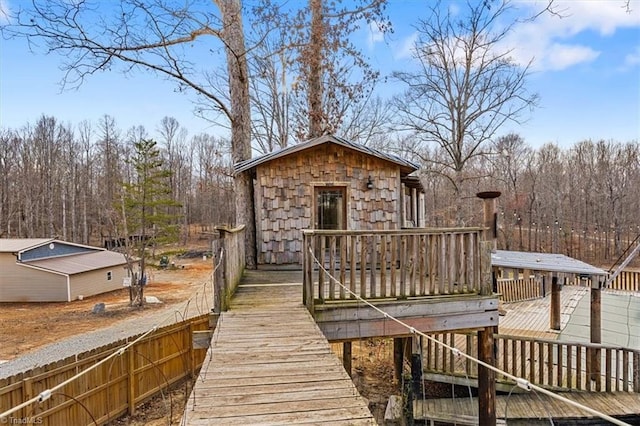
(486, 281)
(307, 275)
(218, 276)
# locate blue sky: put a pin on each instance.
(586, 70)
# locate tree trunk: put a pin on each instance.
(314, 58)
(233, 35)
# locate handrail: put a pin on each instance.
(396, 264)
(583, 366)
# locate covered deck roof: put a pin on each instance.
(544, 262)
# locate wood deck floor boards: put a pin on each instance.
(269, 363)
(531, 318)
(534, 406)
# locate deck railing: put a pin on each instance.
(229, 264)
(626, 281)
(394, 264)
(553, 364)
(520, 289)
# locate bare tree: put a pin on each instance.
(465, 87)
(152, 35)
(509, 159)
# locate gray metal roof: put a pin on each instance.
(550, 262)
(14, 245)
(249, 164)
(79, 263)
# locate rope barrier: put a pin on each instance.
(520, 382)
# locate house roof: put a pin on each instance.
(12, 245)
(78, 263)
(549, 262)
(243, 166)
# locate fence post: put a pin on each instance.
(131, 391)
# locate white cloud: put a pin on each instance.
(554, 43)
(406, 47)
(375, 35)
(561, 56)
(632, 59)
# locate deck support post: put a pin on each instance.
(596, 330)
(346, 357)
(556, 290)
(398, 358)
(416, 366)
(486, 378)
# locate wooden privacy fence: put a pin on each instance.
(394, 263)
(229, 263)
(112, 389)
(552, 364)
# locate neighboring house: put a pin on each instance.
(328, 183)
(50, 270)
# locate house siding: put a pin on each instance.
(95, 282)
(19, 283)
(284, 195)
(55, 248)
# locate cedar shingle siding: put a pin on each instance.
(284, 191)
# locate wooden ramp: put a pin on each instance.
(269, 363)
(532, 408)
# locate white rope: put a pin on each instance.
(520, 382)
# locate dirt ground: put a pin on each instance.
(27, 326)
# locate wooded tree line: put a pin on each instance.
(67, 180)
(582, 200)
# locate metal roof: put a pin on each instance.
(249, 164)
(550, 262)
(13, 245)
(78, 263)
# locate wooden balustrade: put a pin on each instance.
(520, 289)
(229, 264)
(392, 264)
(551, 364)
(626, 281)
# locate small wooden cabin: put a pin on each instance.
(329, 183)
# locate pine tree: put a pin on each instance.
(147, 209)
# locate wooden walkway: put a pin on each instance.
(269, 363)
(464, 411)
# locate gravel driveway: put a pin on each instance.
(104, 336)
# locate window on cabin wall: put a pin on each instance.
(109, 276)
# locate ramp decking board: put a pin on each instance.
(269, 363)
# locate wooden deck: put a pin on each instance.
(269, 363)
(531, 318)
(520, 408)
